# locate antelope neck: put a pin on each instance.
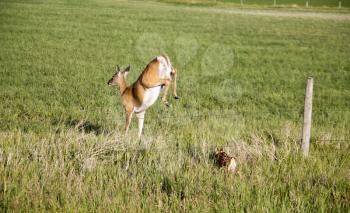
(122, 86)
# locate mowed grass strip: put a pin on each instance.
(241, 82)
(267, 3)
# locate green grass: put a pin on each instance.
(241, 82)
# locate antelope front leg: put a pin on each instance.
(128, 116)
(141, 118)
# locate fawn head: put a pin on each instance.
(119, 76)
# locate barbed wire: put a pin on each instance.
(225, 113)
(239, 115)
(331, 140)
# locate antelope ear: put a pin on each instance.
(127, 69)
(117, 69)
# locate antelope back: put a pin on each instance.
(158, 69)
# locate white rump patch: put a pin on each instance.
(164, 67)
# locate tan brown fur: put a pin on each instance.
(150, 78)
(133, 95)
(222, 159)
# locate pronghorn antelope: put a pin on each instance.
(145, 90)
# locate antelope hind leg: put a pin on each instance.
(167, 83)
(174, 74)
(165, 93)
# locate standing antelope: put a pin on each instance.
(145, 90)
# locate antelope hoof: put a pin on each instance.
(176, 97)
(166, 103)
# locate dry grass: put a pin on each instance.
(69, 168)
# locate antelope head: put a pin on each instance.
(119, 76)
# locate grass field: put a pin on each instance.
(241, 83)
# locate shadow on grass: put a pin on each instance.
(82, 125)
(85, 126)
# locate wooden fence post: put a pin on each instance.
(307, 117)
(339, 5)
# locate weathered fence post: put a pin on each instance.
(307, 116)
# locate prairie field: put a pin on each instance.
(241, 82)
